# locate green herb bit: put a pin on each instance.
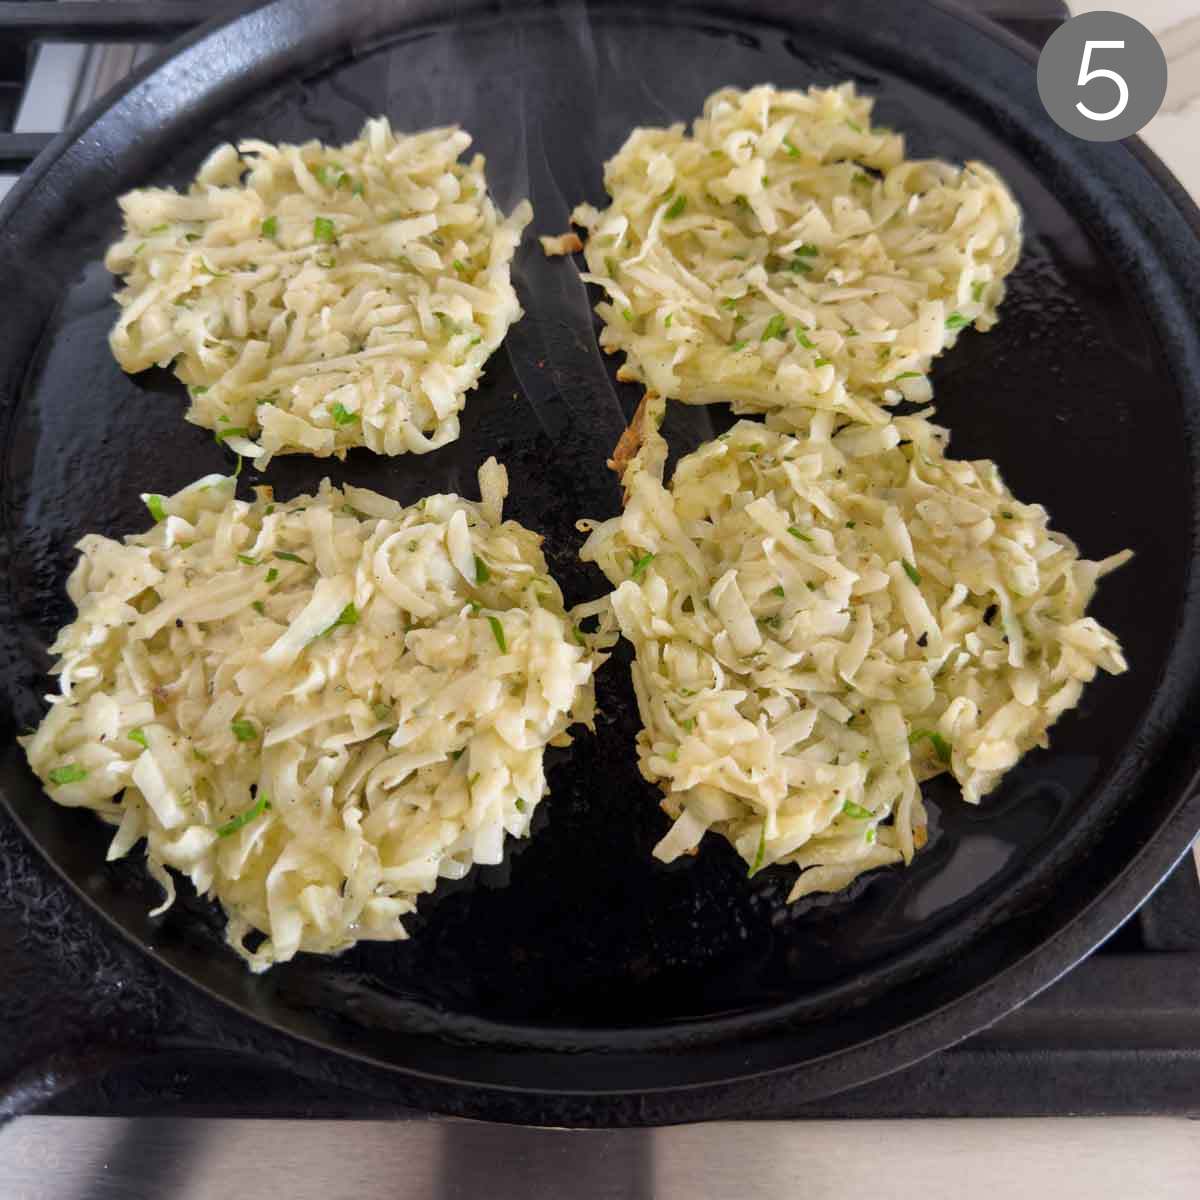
(137, 735)
(907, 375)
(482, 574)
(256, 810)
(348, 616)
(808, 250)
(776, 328)
(272, 575)
(854, 125)
(851, 524)
(667, 322)
(738, 346)
(70, 773)
(957, 321)
(804, 339)
(796, 533)
(288, 556)
(790, 147)
(977, 290)
(1007, 515)
(870, 836)
(627, 313)
(243, 730)
(778, 591)
(521, 805)
(760, 853)
(270, 227)
(672, 755)
(383, 712)
(342, 415)
(799, 266)
(232, 431)
(688, 725)
(460, 266)
(911, 571)
(820, 362)
(730, 302)
(577, 634)
(941, 747)
(639, 567)
(860, 178)
(158, 229)
(323, 230)
(677, 207)
(498, 634)
(850, 809)
(155, 504)
(456, 754)
(259, 607)
(191, 237)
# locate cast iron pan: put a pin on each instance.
(582, 981)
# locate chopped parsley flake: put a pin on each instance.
(941, 747)
(498, 634)
(155, 504)
(256, 810)
(776, 328)
(640, 565)
(70, 773)
(760, 853)
(243, 730)
(323, 230)
(270, 227)
(911, 571)
(677, 207)
(348, 616)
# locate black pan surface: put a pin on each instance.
(582, 974)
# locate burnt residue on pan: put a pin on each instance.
(580, 939)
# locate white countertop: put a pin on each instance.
(1174, 134)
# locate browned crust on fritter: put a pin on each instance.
(563, 243)
(631, 440)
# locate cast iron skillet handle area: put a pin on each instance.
(111, 1008)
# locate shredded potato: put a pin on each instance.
(786, 255)
(317, 709)
(313, 298)
(823, 621)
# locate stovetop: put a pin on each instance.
(92, 1027)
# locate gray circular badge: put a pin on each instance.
(1102, 76)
